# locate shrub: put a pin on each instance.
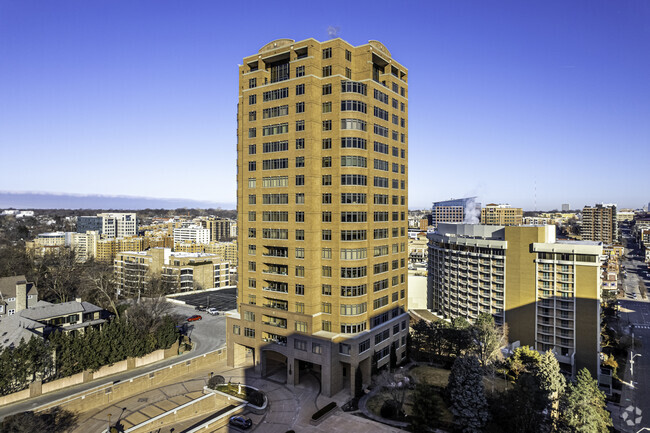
(216, 381)
(391, 410)
(330, 406)
(255, 397)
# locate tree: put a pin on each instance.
(393, 357)
(551, 382)
(582, 407)
(425, 406)
(467, 394)
(524, 359)
(395, 385)
(148, 314)
(358, 382)
(487, 338)
(61, 275)
(458, 336)
(521, 408)
(52, 420)
(101, 285)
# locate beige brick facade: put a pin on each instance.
(322, 206)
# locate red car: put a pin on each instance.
(194, 318)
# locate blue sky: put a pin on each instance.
(128, 97)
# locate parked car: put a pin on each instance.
(194, 318)
(213, 311)
(199, 308)
(241, 422)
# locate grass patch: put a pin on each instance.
(440, 377)
(444, 419)
(432, 375)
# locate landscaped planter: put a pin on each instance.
(323, 413)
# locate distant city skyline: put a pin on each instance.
(531, 104)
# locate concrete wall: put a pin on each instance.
(55, 385)
(107, 370)
(87, 376)
(203, 405)
(107, 394)
(16, 396)
(150, 358)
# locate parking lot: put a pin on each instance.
(222, 300)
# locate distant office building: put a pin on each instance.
(89, 223)
(109, 225)
(625, 215)
(456, 211)
(192, 233)
(25, 213)
(502, 215)
(546, 291)
(537, 221)
(566, 207)
(599, 223)
(219, 228)
(135, 271)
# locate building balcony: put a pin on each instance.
(548, 331)
(276, 289)
(277, 306)
(281, 274)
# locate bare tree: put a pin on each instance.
(101, 283)
(62, 272)
(148, 313)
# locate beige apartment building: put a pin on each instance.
(181, 272)
(219, 228)
(599, 223)
(226, 250)
(501, 215)
(546, 291)
(322, 210)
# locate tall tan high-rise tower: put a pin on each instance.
(322, 210)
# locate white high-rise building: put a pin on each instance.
(192, 233)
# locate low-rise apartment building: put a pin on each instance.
(136, 271)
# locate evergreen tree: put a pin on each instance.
(467, 394)
(393, 357)
(358, 382)
(458, 336)
(582, 407)
(521, 408)
(551, 382)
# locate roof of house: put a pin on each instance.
(8, 286)
(45, 310)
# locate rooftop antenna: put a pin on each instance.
(535, 194)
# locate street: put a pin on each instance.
(635, 267)
(635, 321)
